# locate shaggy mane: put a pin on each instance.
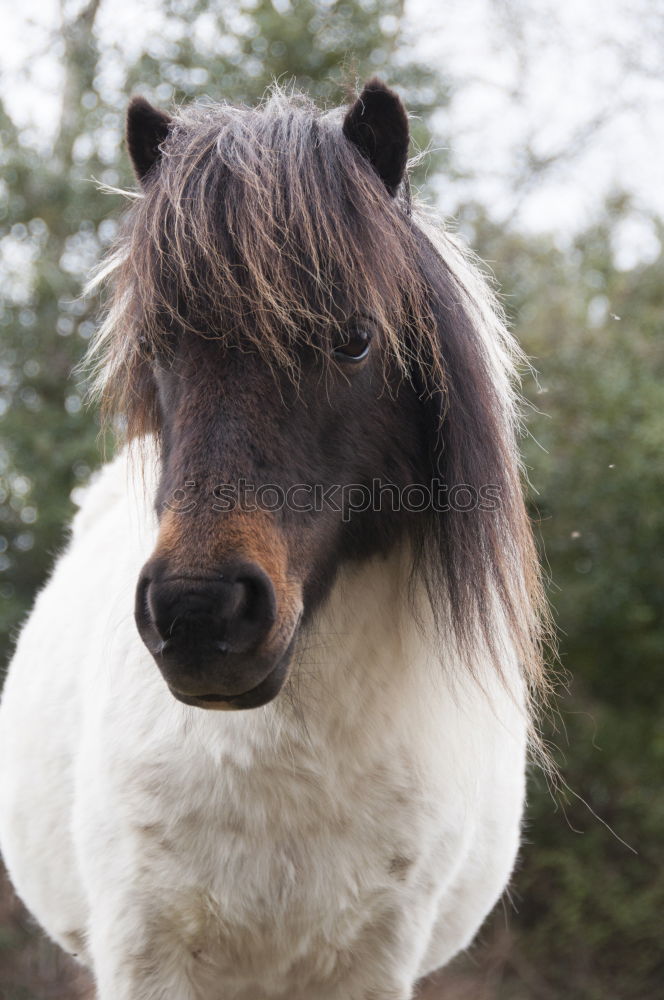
(264, 227)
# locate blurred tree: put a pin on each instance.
(324, 47)
(50, 232)
(589, 911)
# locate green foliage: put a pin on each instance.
(48, 236)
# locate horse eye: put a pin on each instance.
(354, 348)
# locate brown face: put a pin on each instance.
(255, 512)
(250, 241)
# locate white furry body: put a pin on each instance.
(336, 844)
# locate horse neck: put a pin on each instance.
(364, 646)
(376, 665)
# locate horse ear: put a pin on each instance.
(377, 124)
(147, 127)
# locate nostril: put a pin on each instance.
(259, 604)
(233, 600)
(142, 609)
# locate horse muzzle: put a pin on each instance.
(218, 638)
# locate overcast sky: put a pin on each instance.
(581, 78)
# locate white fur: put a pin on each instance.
(335, 844)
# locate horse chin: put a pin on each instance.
(262, 693)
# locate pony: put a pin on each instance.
(265, 732)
